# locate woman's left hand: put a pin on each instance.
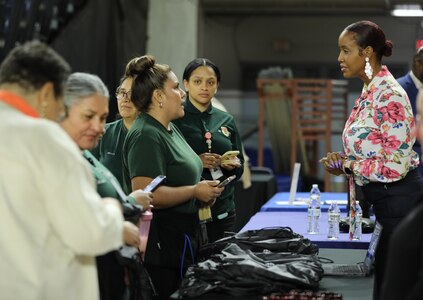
(231, 164)
(143, 198)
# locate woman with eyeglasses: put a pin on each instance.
(154, 146)
(109, 149)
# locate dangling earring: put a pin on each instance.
(161, 104)
(368, 69)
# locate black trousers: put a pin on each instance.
(217, 228)
(110, 277)
(391, 203)
(166, 280)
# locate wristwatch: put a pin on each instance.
(348, 167)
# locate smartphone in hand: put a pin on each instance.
(226, 181)
(155, 183)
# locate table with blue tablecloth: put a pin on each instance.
(280, 202)
(297, 221)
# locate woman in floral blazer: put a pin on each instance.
(378, 136)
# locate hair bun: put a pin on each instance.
(139, 65)
(387, 51)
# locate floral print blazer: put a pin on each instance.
(378, 133)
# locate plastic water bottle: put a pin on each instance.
(144, 229)
(313, 212)
(334, 216)
(358, 221)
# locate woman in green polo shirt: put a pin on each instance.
(211, 132)
(154, 146)
(109, 149)
(87, 101)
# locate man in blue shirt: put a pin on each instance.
(411, 83)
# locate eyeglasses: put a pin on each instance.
(123, 95)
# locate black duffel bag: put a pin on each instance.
(241, 272)
(275, 239)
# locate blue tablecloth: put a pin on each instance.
(298, 223)
(280, 202)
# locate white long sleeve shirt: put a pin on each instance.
(52, 221)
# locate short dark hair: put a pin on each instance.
(368, 33)
(418, 56)
(199, 62)
(33, 64)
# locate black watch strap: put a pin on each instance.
(348, 171)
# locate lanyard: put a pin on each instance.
(18, 103)
(353, 203)
(112, 179)
(207, 135)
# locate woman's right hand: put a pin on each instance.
(207, 190)
(210, 160)
(333, 163)
(143, 198)
(131, 235)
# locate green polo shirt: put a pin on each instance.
(225, 137)
(150, 150)
(109, 149)
(103, 177)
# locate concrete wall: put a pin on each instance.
(309, 45)
(241, 45)
(173, 32)
(235, 41)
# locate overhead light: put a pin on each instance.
(407, 10)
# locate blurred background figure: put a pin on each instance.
(404, 270)
(412, 82)
(53, 219)
(87, 101)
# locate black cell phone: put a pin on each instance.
(155, 183)
(226, 181)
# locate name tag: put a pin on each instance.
(216, 173)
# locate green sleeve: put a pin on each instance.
(146, 157)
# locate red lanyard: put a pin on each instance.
(18, 103)
(207, 135)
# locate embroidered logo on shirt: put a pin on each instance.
(225, 131)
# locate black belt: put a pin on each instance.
(410, 175)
